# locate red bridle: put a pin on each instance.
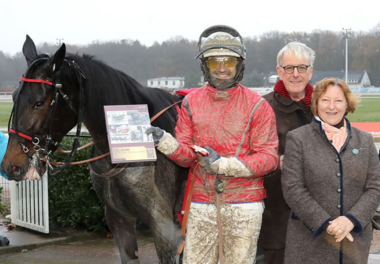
(11, 130)
(35, 81)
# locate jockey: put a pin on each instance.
(226, 134)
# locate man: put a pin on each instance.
(237, 127)
(290, 101)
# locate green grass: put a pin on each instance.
(367, 111)
(5, 112)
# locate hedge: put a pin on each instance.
(72, 200)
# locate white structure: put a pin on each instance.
(30, 204)
(167, 82)
(273, 79)
(261, 90)
(355, 79)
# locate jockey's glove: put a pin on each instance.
(157, 133)
(215, 164)
(206, 161)
(164, 141)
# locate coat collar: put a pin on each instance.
(287, 105)
(222, 95)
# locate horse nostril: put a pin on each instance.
(14, 172)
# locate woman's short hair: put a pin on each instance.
(321, 87)
(299, 49)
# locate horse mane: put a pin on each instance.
(109, 86)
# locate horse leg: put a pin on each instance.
(168, 178)
(164, 232)
(124, 232)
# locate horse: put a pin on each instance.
(147, 191)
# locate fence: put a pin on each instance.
(5, 97)
(30, 204)
(6, 194)
(369, 90)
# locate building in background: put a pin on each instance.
(167, 82)
(355, 79)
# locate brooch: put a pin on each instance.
(355, 151)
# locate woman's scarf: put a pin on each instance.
(337, 136)
(281, 89)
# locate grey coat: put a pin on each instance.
(319, 185)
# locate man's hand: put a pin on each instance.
(207, 162)
(156, 132)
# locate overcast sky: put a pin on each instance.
(82, 22)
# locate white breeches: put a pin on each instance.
(240, 224)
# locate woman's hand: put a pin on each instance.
(341, 228)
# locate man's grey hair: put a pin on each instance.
(299, 49)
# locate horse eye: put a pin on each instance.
(38, 104)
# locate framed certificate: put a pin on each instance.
(126, 125)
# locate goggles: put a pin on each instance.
(214, 62)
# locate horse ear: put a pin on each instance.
(56, 61)
(29, 50)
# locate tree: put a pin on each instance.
(329, 49)
(192, 80)
(3, 68)
(367, 56)
(254, 79)
(175, 57)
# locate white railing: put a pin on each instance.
(6, 98)
(30, 204)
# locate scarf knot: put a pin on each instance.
(337, 136)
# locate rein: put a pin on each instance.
(108, 153)
(35, 139)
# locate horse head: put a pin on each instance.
(34, 133)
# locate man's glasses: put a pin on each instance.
(300, 68)
(214, 62)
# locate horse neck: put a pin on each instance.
(106, 86)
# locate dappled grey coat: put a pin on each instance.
(319, 185)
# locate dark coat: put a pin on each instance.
(289, 116)
(320, 184)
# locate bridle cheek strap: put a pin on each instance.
(35, 81)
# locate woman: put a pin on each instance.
(331, 182)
